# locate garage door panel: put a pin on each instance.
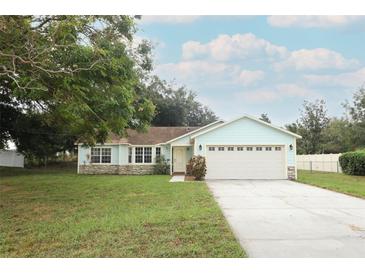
(245, 164)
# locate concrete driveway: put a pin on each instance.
(279, 218)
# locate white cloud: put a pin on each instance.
(352, 79)
(249, 77)
(246, 47)
(238, 46)
(315, 21)
(168, 19)
(316, 59)
(197, 71)
(277, 92)
(207, 71)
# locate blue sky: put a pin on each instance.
(256, 64)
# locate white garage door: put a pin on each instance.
(245, 162)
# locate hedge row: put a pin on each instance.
(353, 163)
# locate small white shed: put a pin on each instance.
(11, 158)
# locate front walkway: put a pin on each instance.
(177, 178)
(279, 218)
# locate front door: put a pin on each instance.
(179, 159)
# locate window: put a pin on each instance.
(249, 148)
(277, 148)
(101, 155)
(138, 155)
(239, 148)
(158, 152)
(95, 155)
(268, 148)
(143, 155)
(258, 148)
(220, 148)
(211, 148)
(130, 155)
(230, 148)
(106, 155)
(147, 154)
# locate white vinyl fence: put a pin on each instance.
(11, 158)
(319, 162)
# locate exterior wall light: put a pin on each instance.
(291, 147)
(200, 147)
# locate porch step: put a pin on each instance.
(178, 173)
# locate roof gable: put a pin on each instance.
(248, 117)
(195, 131)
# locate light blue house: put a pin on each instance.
(244, 148)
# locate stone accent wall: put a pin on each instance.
(136, 169)
(98, 169)
(116, 169)
(291, 172)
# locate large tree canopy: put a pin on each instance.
(80, 75)
(177, 106)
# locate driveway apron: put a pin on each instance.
(280, 218)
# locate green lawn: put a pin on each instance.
(353, 185)
(58, 213)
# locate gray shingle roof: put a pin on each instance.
(153, 136)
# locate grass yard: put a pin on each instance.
(353, 185)
(57, 213)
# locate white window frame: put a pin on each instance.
(101, 155)
(268, 148)
(153, 154)
(230, 148)
(147, 155)
(140, 149)
(210, 148)
(160, 152)
(130, 155)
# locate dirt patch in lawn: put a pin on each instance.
(5, 188)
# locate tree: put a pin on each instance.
(177, 106)
(264, 117)
(311, 126)
(357, 117)
(40, 141)
(82, 74)
(338, 136)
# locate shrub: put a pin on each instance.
(189, 168)
(161, 167)
(198, 167)
(353, 163)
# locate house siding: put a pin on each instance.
(246, 131)
(165, 151)
(123, 154)
(182, 141)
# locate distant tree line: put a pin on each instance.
(324, 134)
